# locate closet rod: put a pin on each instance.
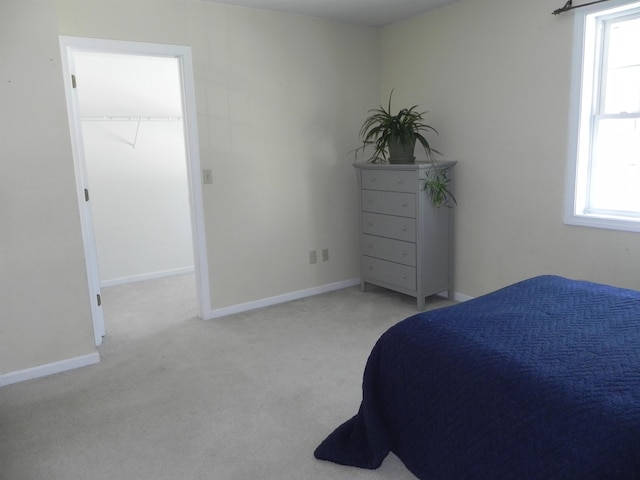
(130, 118)
(569, 6)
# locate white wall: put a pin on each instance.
(495, 76)
(44, 300)
(280, 99)
(137, 171)
(139, 198)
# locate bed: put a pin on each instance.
(538, 380)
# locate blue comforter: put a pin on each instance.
(538, 380)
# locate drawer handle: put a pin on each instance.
(371, 269)
(400, 181)
(404, 253)
(404, 277)
(404, 205)
(370, 224)
(370, 246)
(369, 201)
(404, 229)
(373, 180)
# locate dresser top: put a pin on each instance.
(418, 165)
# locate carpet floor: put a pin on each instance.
(247, 396)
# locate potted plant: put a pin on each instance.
(395, 136)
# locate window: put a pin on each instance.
(604, 175)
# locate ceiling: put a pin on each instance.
(363, 12)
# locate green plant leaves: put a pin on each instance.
(381, 127)
(436, 185)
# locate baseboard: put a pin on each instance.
(461, 297)
(93, 358)
(287, 297)
(146, 276)
(49, 369)
(458, 297)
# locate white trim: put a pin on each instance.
(627, 225)
(94, 358)
(86, 219)
(577, 145)
(146, 276)
(49, 369)
(457, 297)
(194, 171)
(287, 297)
(69, 45)
(461, 297)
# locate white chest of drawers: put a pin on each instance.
(406, 242)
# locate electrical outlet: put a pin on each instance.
(313, 257)
(325, 254)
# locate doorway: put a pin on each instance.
(132, 115)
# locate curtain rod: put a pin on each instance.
(569, 6)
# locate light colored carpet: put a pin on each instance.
(248, 396)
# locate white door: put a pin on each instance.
(72, 47)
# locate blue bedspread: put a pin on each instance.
(538, 380)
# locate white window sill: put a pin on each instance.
(610, 223)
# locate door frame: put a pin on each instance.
(69, 46)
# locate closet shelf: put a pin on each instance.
(129, 118)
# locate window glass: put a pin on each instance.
(623, 67)
(604, 190)
(615, 167)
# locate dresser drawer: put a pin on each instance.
(389, 249)
(389, 203)
(400, 228)
(392, 273)
(397, 219)
(391, 180)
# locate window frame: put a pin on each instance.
(586, 92)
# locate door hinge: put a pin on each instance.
(99, 300)
(86, 195)
(73, 81)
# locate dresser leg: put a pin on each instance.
(363, 286)
(421, 303)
